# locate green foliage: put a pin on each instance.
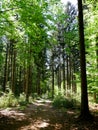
(22, 100)
(30, 28)
(91, 38)
(62, 101)
(8, 100)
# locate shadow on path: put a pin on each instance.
(41, 115)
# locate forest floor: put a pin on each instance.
(41, 115)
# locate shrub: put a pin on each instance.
(61, 101)
(8, 100)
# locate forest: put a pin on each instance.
(48, 65)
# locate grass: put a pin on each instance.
(9, 100)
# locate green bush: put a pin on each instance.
(61, 101)
(8, 100)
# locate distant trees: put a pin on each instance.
(31, 54)
(68, 48)
(23, 46)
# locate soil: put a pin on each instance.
(41, 115)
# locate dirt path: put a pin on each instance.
(45, 117)
(41, 115)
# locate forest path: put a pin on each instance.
(41, 115)
(46, 117)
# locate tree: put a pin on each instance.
(91, 31)
(42, 47)
(85, 113)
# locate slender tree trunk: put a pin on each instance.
(12, 65)
(20, 84)
(67, 72)
(64, 85)
(14, 73)
(59, 77)
(38, 81)
(24, 76)
(27, 85)
(52, 81)
(5, 69)
(74, 87)
(29, 75)
(95, 93)
(70, 73)
(59, 71)
(85, 114)
(52, 69)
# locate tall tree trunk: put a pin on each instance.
(27, 85)
(20, 82)
(59, 70)
(52, 69)
(85, 114)
(24, 76)
(29, 75)
(5, 69)
(59, 77)
(38, 81)
(14, 72)
(95, 93)
(64, 85)
(67, 71)
(74, 87)
(52, 81)
(70, 72)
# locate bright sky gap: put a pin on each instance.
(72, 1)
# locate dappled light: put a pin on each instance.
(70, 112)
(11, 113)
(36, 125)
(42, 102)
(41, 115)
(48, 65)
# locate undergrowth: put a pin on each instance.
(65, 102)
(9, 100)
(60, 101)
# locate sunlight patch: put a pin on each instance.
(70, 112)
(58, 126)
(43, 125)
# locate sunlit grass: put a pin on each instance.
(9, 100)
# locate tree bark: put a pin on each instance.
(5, 69)
(85, 114)
(67, 71)
(52, 75)
(14, 73)
(27, 85)
(64, 85)
(74, 87)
